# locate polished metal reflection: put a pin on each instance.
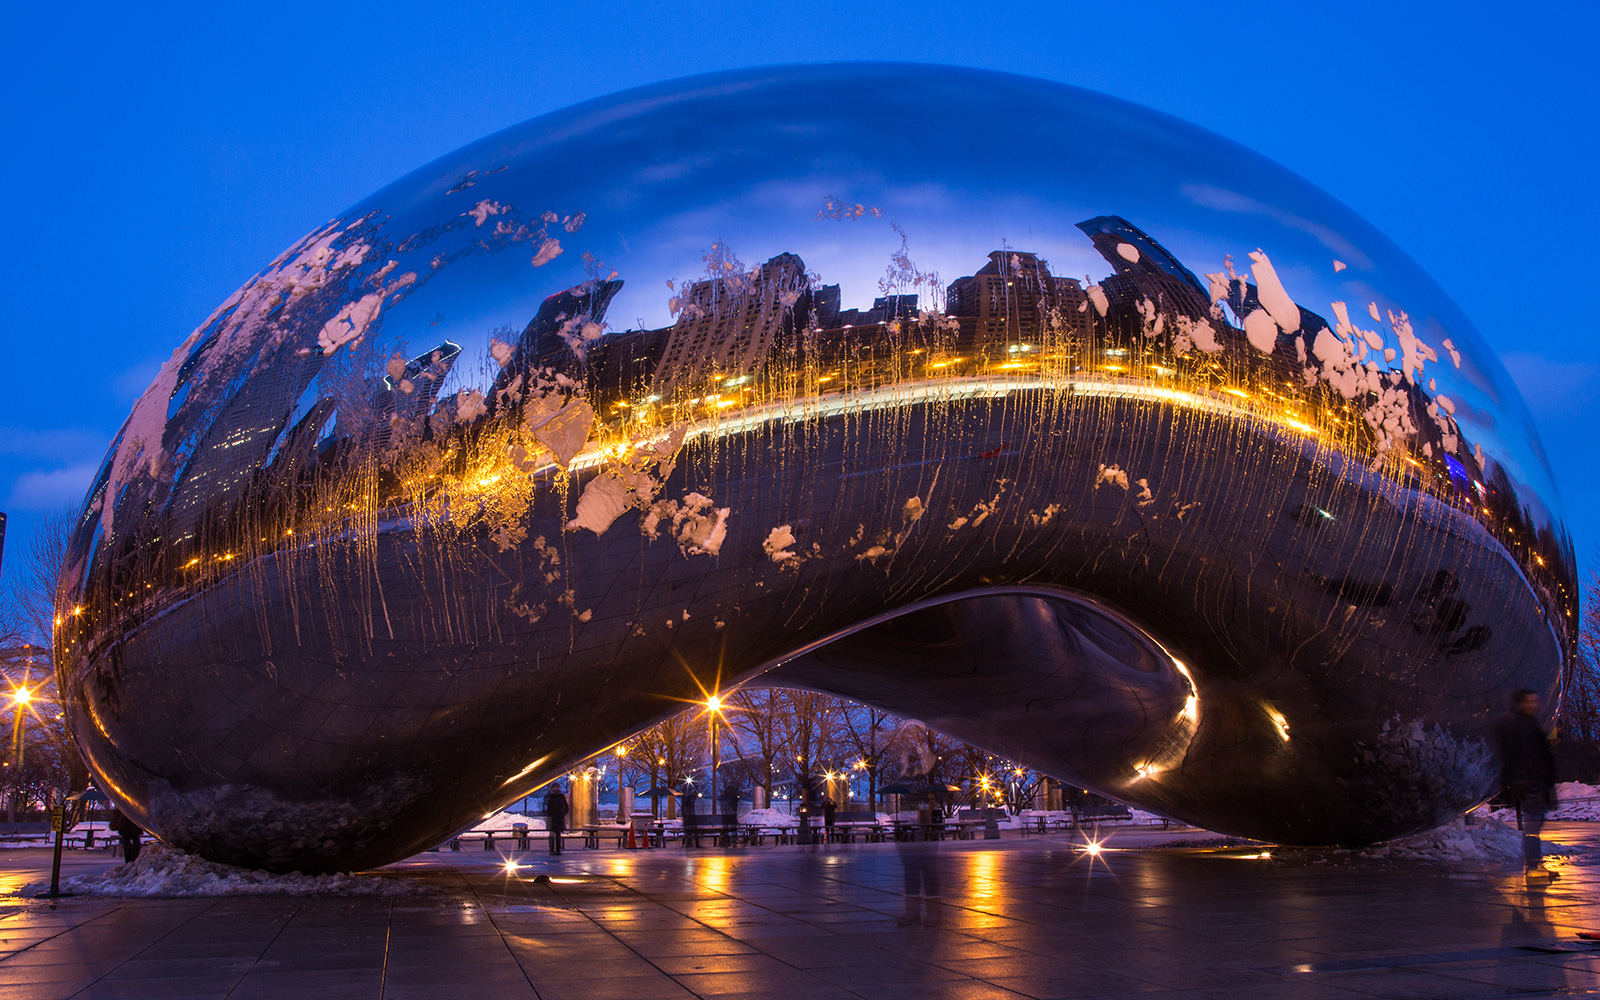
(1182, 484)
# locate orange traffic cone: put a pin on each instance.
(633, 845)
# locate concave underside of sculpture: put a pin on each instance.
(1182, 485)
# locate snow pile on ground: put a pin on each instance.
(162, 871)
(769, 817)
(1455, 841)
(506, 821)
(1574, 801)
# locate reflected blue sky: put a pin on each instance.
(164, 159)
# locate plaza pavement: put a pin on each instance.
(1029, 917)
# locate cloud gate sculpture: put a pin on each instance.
(1068, 428)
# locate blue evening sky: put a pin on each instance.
(157, 155)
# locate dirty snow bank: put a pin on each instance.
(501, 821)
(1574, 801)
(1494, 841)
(162, 871)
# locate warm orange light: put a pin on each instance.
(21, 696)
(714, 703)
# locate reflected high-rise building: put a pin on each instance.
(1143, 269)
(729, 325)
(1013, 297)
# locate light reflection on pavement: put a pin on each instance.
(1030, 916)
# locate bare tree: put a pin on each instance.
(41, 574)
(866, 735)
(809, 725)
(1578, 727)
(50, 760)
(756, 734)
(674, 752)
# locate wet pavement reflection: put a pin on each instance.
(1039, 917)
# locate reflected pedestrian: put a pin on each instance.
(920, 862)
(128, 832)
(555, 817)
(914, 759)
(1527, 775)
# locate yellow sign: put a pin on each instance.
(56, 817)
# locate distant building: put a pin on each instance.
(885, 308)
(1014, 297)
(730, 325)
(825, 307)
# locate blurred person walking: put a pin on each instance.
(1527, 775)
(555, 817)
(914, 761)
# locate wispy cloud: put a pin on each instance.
(48, 489)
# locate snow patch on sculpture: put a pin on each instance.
(567, 431)
(700, 527)
(778, 544)
(1110, 475)
(548, 251)
(603, 501)
(1270, 291)
(1261, 331)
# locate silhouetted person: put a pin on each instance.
(128, 832)
(829, 807)
(555, 817)
(1527, 774)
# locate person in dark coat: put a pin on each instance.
(555, 817)
(1527, 773)
(829, 807)
(128, 832)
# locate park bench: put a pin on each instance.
(720, 826)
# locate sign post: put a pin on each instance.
(58, 825)
(63, 816)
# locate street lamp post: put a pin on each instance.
(714, 705)
(19, 706)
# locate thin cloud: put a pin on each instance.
(48, 489)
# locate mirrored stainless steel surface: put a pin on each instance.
(1072, 429)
